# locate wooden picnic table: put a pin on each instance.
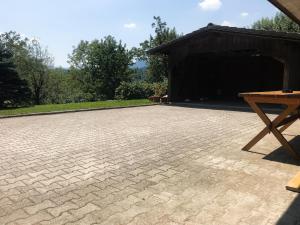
(284, 120)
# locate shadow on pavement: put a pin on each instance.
(239, 106)
(292, 215)
(281, 155)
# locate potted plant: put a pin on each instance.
(160, 90)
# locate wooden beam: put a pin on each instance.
(283, 6)
(288, 120)
(294, 184)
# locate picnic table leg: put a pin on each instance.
(286, 126)
(285, 143)
(256, 139)
(271, 127)
(265, 131)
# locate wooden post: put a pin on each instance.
(286, 74)
(286, 71)
(294, 69)
(171, 77)
(170, 83)
(291, 61)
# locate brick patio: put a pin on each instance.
(148, 165)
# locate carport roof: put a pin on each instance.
(211, 28)
(290, 7)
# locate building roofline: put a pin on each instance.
(224, 29)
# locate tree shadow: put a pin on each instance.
(281, 155)
(292, 215)
(238, 106)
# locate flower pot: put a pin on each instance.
(154, 98)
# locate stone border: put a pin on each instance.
(73, 111)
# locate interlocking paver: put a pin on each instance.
(90, 207)
(59, 220)
(57, 211)
(34, 219)
(38, 207)
(147, 165)
(17, 214)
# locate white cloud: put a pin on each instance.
(130, 25)
(210, 5)
(227, 23)
(244, 14)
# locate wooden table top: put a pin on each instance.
(272, 94)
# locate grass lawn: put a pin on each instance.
(73, 106)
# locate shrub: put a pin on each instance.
(160, 89)
(134, 90)
(139, 90)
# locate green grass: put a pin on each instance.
(72, 106)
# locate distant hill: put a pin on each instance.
(140, 64)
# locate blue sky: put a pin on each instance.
(61, 24)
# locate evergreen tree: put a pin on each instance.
(14, 91)
(32, 62)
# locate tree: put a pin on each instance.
(280, 22)
(31, 60)
(100, 66)
(157, 65)
(17, 45)
(13, 90)
(58, 88)
(36, 70)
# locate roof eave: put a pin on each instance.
(286, 11)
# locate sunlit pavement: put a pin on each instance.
(145, 165)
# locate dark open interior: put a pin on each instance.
(219, 77)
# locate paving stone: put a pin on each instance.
(146, 165)
(57, 211)
(34, 219)
(36, 208)
(59, 220)
(84, 210)
(18, 214)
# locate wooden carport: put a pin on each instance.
(221, 42)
